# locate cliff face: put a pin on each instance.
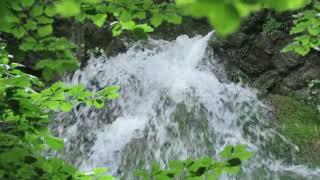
(255, 57)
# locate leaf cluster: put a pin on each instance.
(199, 169)
(25, 107)
(226, 15)
(32, 23)
(307, 30)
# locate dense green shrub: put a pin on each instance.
(307, 30)
(272, 27)
(203, 168)
(226, 16)
(24, 119)
(31, 22)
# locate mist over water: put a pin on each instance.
(175, 102)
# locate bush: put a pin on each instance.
(272, 27)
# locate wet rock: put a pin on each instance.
(266, 81)
(299, 79)
(302, 94)
(286, 61)
(263, 43)
(115, 47)
(255, 63)
(255, 58)
(236, 40)
(312, 73)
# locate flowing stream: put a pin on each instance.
(175, 102)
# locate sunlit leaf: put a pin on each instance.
(44, 30)
(54, 143)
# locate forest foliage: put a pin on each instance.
(202, 168)
(27, 103)
(307, 30)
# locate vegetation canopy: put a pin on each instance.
(27, 103)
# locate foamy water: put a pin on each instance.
(175, 103)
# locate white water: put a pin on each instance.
(175, 103)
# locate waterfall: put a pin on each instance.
(175, 102)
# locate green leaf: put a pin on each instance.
(92, 1)
(227, 152)
(176, 165)
(128, 25)
(241, 152)
(289, 48)
(105, 178)
(117, 30)
(88, 102)
(27, 3)
(314, 31)
(31, 25)
(15, 5)
(282, 5)
(232, 170)
(66, 106)
(16, 154)
(298, 28)
(36, 11)
(98, 103)
(145, 27)
(68, 8)
(53, 105)
(99, 19)
(234, 162)
(314, 42)
(156, 19)
(141, 173)
(224, 18)
(140, 33)
(19, 81)
(44, 30)
(44, 20)
(99, 171)
(212, 176)
(140, 15)
(54, 143)
(125, 16)
(302, 50)
(19, 32)
(50, 10)
(47, 74)
(304, 39)
(173, 18)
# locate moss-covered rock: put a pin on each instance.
(299, 123)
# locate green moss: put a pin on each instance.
(300, 123)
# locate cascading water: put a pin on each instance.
(175, 103)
